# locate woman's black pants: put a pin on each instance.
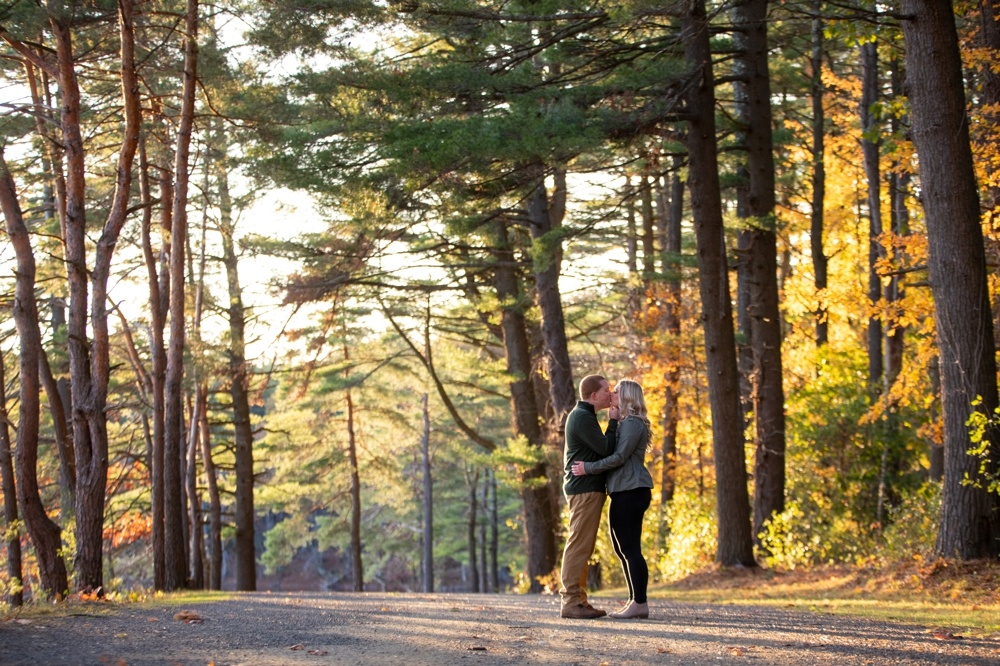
(625, 516)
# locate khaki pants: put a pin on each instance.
(584, 519)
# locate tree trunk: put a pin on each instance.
(173, 504)
(870, 151)
(987, 138)
(57, 391)
(472, 480)
(45, 534)
(899, 217)
(196, 536)
(63, 436)
(357, 565)
(540, 517)
(735, 544)
(494, 533)
(648, 228)
(631, 232)
(935, 453)
(819, 259)
(15, 596)
(246, 559)
(428, 499)
(90, 363)
(957, 268)
(672, 270)
(750, 19)
(157, 349)
(214, 501)
(546, 215)
(484, 578)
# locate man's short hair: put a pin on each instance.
(590, 385)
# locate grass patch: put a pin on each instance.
(89, 605)
(963, 597)
(186, 597)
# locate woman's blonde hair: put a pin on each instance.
(630, 400)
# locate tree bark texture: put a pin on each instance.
(870, 152)
(648, 228)
(175, 564)
(494, 533)
(63, 435)
(357, 564)
(540, 516)
(819, 258)
(672, 269)
(899, 221)
(45, 534)
(90, 363)
(214, 501)
(246, 558)
(546, 213)
(484, 579)
(428, 499)
(735, 544)
(196, 535)
(957, 268)
(631, 235)
(158, 289)
(989, 38)
(14, 573)
(750, 18)
(472, 481)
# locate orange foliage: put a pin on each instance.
(129, 528)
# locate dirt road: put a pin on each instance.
(388, 629)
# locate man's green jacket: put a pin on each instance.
(587, 442)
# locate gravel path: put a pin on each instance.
(382, 629)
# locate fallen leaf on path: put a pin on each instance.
(318, 653)
(152, 619)
(298, 646)
(188, 616)
(946, 636)
(664, 650)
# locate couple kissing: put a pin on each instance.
(599, 463)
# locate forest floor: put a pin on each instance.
(937, 593)
(716, 617)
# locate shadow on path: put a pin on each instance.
(388, 629)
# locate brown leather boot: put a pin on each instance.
(581, 612)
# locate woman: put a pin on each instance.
(630, 486)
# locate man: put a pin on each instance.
(585, 494)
